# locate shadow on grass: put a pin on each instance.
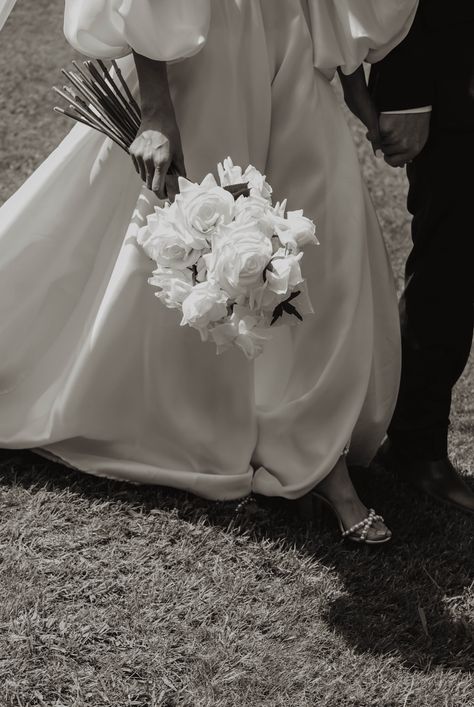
(411, 599)
(407, 600)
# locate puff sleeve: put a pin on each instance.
(164, 30)
(348, 32)
(6, 6)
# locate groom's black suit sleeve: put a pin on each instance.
(406, 77)
(434, 66)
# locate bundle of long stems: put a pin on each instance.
(103, 102)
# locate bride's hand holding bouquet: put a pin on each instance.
(224, 254)
(156, 152)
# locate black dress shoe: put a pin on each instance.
(438, 479)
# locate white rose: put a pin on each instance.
(147, 235)
(266, 299)
(251, 335)
(257, 184)
(239, 257)
(229, 173)
(273, 219)
(204, 206)
(169, 251)
(193, 239)
(250, 208)
(206, 303)
(175, 286)
(285, 272)
(295, 231)
(169, 220)
(223, 335)
(283, 231)
(243, 330)
(303, 229)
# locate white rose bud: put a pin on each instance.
(295, 231)
(175, 286)
(244, 330)
(257, 184)
(251, 336)
(303, 229)
(229, 174)
(206, 303)
(285, 273)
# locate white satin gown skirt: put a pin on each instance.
(95, 371)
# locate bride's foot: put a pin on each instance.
(356, 521)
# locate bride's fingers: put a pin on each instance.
(159, 184)
(394, 148)
(171, 186)
(373, 130)
(158, 168)
(374, 139)
(150, 166)
(136, 154)
(397, 160)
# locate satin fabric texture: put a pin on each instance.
(95, 371)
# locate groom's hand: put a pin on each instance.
(360, 103)
(403, 136)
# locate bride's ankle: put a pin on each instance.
(341, 497)
(338, 484)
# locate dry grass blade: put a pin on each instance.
(80, 111)
(133, 104)
(111, 100)
(90, 95)
(95, 99)
(135, 119)
(80, 119)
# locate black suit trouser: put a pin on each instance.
(437, 305)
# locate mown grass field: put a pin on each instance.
(119, 595)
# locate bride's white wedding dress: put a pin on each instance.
(95, 371)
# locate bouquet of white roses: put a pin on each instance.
(229, 259)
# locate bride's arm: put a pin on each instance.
(157, 148)
(359, 102)
(157, 31)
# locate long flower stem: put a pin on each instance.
(102, 101)
(89, 96)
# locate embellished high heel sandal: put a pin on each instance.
(311, 508)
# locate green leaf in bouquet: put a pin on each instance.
(238, 190)
(270, 268)
(285, 306)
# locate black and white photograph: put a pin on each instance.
(236, 382)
